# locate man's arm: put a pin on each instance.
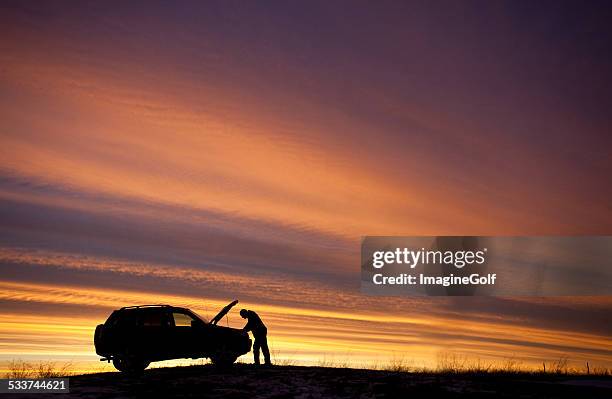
(248, 327)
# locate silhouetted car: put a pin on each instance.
(135, 336)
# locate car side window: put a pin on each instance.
(182, 319)
(153, 319)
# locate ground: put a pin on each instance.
(248, 381)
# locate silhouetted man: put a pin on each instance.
(259, 330)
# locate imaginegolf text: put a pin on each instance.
(446, 281)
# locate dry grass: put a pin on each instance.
(18, 369)
(333, 363)
(450, 363)
(398, 364)
(281, 361)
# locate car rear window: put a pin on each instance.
(122, 318)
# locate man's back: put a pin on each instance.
(254, 322)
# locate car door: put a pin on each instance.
(154, 326)
(184, 333)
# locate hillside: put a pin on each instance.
(321, 382)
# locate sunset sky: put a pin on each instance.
(192, 153)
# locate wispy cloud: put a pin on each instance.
(220, 152)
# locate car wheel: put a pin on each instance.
(223, 359)
(130, 365)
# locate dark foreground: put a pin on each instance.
(247, 381)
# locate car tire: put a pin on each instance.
(130, 365)
(223, 359)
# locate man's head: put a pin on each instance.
(243, 313)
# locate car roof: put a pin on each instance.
(146, 306)
(154, 307)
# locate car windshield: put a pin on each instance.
(199, 317)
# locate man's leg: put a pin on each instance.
(256, 350)
(265, 350)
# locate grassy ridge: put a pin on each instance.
(447, 364)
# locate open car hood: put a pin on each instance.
(223, 312)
